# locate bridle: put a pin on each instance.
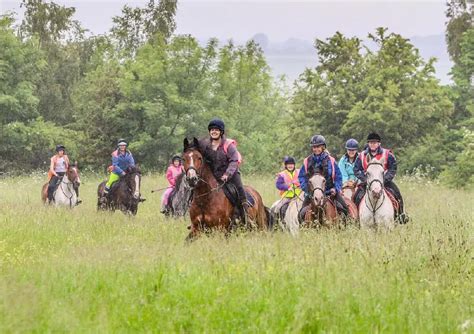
(200, 179)
(368, 189)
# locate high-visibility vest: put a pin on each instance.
(381, 158)
(227, 143)
(333, 167)
(291, 179)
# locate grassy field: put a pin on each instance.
(85, 271)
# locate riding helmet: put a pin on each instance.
(60, 148)
(216, 123)
(289, 160)
(352, 144)
(122, 141)
(374, 136)
(176, 157)
(317, 140)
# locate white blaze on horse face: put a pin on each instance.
(375, 179)
(318, 183)
(191, 170)
(137, 187)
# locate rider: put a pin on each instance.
(224, 159)
(321, 160)
(346, 163)
(174, 170)
(57, 169)
(287, 183)
(121, 160)
(375, 152)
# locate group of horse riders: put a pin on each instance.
(224, 159)
(350, 171)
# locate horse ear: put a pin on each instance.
(185, 143)
(195, 142)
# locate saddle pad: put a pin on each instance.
(230, 190)
(396, 205)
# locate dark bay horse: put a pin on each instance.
(124, 194)
(180, 198)
(210, 208)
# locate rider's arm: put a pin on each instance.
(338, 178)
(115, 163)
(281, 184)
(342, 167)
(302, 179)
(391, 168)
(131, 160)
(169, 177)
(233, 158)
(51, 167)
(359, 170)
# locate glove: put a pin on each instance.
(224, 177)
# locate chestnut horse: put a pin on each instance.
(323, 208)
(210, 208)
(65, 193)
(124, 194)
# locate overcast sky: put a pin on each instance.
(280, 20)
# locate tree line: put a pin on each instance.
(141, 81)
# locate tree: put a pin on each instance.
(137, 25)
(391, 90)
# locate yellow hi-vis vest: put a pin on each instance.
(290, 179)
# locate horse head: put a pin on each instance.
(375, 175)
(73, 174)
(133, 180)
(192, 161)
(317, 184)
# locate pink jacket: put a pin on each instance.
(172, 174)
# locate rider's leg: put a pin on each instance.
(396, 192)
(51, 186)
(342, 204)
(360, 193)
(302, 212)
(112, 179)
(243, 204)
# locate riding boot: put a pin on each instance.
(242, 200)
(52, 187)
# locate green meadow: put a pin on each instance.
(86, 271)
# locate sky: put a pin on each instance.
(278, 19)
(281, 20)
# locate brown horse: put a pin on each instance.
(322, 210)
(124, 194)
(67, 188)
(210, 208)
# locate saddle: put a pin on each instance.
(230, 191)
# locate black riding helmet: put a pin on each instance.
(317, 140)
(216, 123)
(289, 160)
(374, 136)
(176, 157)
(60, 148)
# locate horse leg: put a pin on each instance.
(193, 234)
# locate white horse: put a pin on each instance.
(376, 209)
(290, 221)
(65, 194)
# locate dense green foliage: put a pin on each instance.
(84, 271)
(60, 84)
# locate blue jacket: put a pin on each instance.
(121, 162)
(317, 162)
(389, 173)
(347, 169)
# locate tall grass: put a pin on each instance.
(88, 271)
